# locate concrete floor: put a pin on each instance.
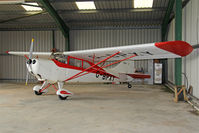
(94, 109)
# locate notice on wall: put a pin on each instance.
(158, 73)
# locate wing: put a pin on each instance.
(170, 49)
(45, 55)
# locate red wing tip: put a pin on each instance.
(7, 52)
(180, 48)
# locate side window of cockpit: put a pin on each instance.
(86, 65)
(71, 61)
(66, 59)
(78, 63)
(75, 62)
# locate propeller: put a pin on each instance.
(29, 60)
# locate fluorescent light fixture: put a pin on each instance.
(31, 7)
(85, 5)
(143, 3)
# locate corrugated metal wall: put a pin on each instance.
(191, 35)
(13, 67)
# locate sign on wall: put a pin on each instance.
(158, 73)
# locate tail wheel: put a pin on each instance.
(62, 98)
(38, 93)
(129, 85)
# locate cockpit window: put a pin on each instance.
(75, 62)
(60, 57)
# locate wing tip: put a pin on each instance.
(180, 48)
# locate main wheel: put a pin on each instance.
(38, 93)
(129, 85)
(62, 98)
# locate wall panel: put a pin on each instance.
(13, 67)
(59, 41)
(190, 28)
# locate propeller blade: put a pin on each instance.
(29, 60)
(27, 74)
(31, 49)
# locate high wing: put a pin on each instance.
(45, 55)
(170, 49)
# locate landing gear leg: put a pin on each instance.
(39, 90)
(63, 94)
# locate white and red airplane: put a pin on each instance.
(60, 67)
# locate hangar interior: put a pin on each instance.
(60, 24)
(113, 23)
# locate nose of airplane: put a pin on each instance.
(30, 64)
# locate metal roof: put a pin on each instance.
(108, 13)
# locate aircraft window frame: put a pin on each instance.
(61, 58)
(73, 61)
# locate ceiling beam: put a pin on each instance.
(21, 17)
(112, 10)
(55, 16)
(18, 12)
(165, 22)
(61, 24)
(113, 20)
(87, 11)
(184, 3)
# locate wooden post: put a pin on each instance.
(177, 93)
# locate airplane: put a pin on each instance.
(59, 67)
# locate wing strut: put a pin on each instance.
(106, 66)
(78, 75)
(92, 66)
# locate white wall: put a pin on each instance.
(190, 28)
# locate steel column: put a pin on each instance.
(178, 36)
(61, 24)
(53, 38)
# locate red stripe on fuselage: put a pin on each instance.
(180, 48)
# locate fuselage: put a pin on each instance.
(46, 70)
(54, 71)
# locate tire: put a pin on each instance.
(38, 93)
(97, 75)
(62, 98)
(103, 77)
(129, 86)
